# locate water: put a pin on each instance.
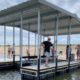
(15, 75)
(10, 75)
(72, 75)
(2, 59)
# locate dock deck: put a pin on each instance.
(8, 62)
(32, 70)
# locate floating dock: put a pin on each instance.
(8, 63)
(44, 71)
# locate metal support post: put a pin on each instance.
(69, 39)
(28, 54)
(13, 44)
(21, 39)
(4, 43)
(29, 38)
(35, 44)
(38, 72)
(56, 43)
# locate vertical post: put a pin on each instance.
(21, 40)
(56, 43)
(43, 38)
(44, 35)
(29, 38)
(4, 43)
(68, 37)
(38, 72)
(55, 38)
(13, 44)
(28, 42)
(35, 44)
(68, 42)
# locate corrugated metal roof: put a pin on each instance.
(49, 13)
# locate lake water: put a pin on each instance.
(72, 75)
(10, 75)
(15, 75)
(7, 58)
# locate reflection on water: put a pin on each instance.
(10, 75)
(15, 75)
(73, 75)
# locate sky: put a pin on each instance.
(70, 5)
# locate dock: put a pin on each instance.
(44, 71)
(43, 19)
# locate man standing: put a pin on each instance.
(47, 46)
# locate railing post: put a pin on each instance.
(38, 71)
(4, 43)
(56, 43)
(13, 44)
(21, 39)
(68, 42)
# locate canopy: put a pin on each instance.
(49, 12)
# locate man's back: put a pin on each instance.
(47, 46)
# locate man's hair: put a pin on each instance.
(49, 38)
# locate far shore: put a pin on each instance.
(32, 50)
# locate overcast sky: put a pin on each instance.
(70, 5)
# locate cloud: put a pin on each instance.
(70, 5)
(8, 3)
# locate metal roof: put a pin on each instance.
(49, 11)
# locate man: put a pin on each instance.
(47, 46)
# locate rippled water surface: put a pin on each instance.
(72, 75)
(10, 75)
(15, 75)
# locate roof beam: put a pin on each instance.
(17, 8)
(60, 28)
(34, 16)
